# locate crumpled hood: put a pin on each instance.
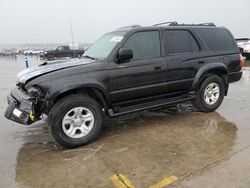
(48, 67)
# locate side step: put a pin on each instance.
(147, 105)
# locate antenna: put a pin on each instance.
(71, 31)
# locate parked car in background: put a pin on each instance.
(244, 45)
(61, 51)
(1, 53)
(32, 52)
(8, 52)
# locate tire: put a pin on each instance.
(64, 112)
(204, 102)
(51, 57)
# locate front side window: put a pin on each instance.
(144, 45)
(60, 48)
(180, 41)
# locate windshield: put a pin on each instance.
(104, 45)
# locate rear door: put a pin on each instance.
(142, 76)
(183, 59)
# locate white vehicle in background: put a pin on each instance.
(32, 52)
(244, 45)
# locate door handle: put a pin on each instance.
(201, 62)
(157, 67)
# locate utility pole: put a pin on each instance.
(72, 37)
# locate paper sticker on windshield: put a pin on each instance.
(116, 39)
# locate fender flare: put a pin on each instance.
(204, 70)
(56, 90)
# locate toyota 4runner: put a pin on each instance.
(130, 69)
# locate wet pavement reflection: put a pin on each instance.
(145, 146)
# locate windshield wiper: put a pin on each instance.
(89, 57)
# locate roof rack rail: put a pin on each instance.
(127, 27)
(177, 24)
(207, 24)
(164, 23)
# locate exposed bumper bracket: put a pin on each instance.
(19, 109)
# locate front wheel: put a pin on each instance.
(75, 120)
(210, 94)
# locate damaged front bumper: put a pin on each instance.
(20, 107)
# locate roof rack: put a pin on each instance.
(177, 24)
(207, 24)
(127, 27)
(164, 23)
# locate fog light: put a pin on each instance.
(17, 112)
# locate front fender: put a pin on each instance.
(206, 69)
(57, 89)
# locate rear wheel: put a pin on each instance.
(75, 120)
(210, 94)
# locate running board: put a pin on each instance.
(148, 105)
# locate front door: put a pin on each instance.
(142, 76)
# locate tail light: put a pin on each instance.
(241, 61)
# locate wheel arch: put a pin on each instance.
(205, 71)
(93, 90)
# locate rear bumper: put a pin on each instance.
(234, 76)
(20, 107)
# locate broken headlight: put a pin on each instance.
(35, 91)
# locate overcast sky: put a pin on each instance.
(47, 21)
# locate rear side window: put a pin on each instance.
(144, 44)
(217, 39)
(180, 41)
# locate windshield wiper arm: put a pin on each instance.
(89, 57)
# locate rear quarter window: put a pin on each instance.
(217, 39)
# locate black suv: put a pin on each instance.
(130, 69)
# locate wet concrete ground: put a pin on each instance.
(201, 150)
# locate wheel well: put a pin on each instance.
(218, 72)
(92, 92)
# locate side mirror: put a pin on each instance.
(124, 55)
